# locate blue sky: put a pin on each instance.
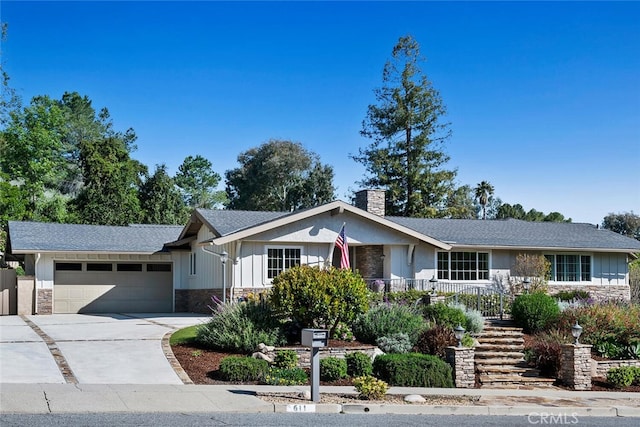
(543, 98)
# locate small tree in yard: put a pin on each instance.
(316, 298)
(535, 268)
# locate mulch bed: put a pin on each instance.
(202, 366)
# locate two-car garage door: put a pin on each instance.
(112, 287)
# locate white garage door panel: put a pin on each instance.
(112, 292)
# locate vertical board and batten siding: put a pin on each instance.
(208, 266)
(610, 269)
(425, 261)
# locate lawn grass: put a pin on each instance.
(184, 336)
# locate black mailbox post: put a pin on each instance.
(316, 339)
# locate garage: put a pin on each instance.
(112, 287)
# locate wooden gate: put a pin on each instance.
(8, 292)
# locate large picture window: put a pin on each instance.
(281, 259)
(463, 265)
(570, 267)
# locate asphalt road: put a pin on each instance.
(306, 420)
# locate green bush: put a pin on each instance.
(444, 315)
(240, 327)
(241, 369)
(395, 343)
(286, 376)
(358, 364)
(285, 359)
(576, 294)
(534, 312)
(405, 297)
(474, 321)
(315, 298)
(412, 370)
(385, 320)
(370, 388)
(434, 341)
(624, 376)
(333, 369)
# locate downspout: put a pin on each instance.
(35, 284)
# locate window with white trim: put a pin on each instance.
(281, 259)
(570, 267)
(192, 264)
(463, 265)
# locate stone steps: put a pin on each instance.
(499, 359)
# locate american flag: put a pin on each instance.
(341, 242)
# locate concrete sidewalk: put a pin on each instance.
(93, 398)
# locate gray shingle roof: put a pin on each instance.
(517, 233)
(41, 236)
(226, 222)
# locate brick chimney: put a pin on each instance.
(371, 201)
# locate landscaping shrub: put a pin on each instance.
(624, 376)
(412, 370)
(285, 359)
(545, 351)
(240, 327)
(474, 321)
(286, 376)
(395, 343)
(434, 341)
(343, 332)
(384, 320)
(315, 298)
(408, 297)
(576, 294)
(444, 315)
(370, 388)
(534, 312)
(358, 364)
(241, 369)
(612, 328)
(333, 369)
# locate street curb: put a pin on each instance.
(556, 411)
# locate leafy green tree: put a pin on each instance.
(483, 191)
(406, 157)
(111, 177)
(32, 153)
(198, 181)
(555, 217)
(510, 211)
(625, 223)
(9, 99)
(160, 200)
(279, 176)
(460, 203)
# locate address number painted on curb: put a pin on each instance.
(301, 408)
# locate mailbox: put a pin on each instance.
(315, 337)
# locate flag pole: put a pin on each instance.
(329, 259)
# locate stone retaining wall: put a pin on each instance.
(597, 292)
(599, 368)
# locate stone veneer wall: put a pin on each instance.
(462, 361)
(599, 368)
(371, 201)
(597, 292)
(575, 366)
(369, 261)
(304, 353)
(45, 301)
(195, 300)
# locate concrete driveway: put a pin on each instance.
(89, 349)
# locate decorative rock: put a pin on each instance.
(258, 355)
(414, 398)
(377, 352)
(305, 395)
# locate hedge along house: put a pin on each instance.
(166, 268)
